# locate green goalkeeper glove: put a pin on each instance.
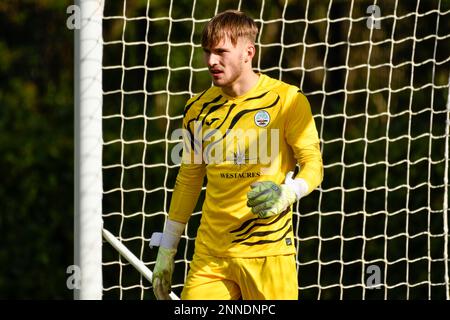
(162, 273)
(165, 261)
(268, 198)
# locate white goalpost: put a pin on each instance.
(88, 150)
(377, 77)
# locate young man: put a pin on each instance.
(245, 243)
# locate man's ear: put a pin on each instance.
(250, 52)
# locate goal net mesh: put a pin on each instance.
(376, 74)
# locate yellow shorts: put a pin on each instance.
(265, 278)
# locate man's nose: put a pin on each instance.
(211, 60)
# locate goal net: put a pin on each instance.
(376, 74)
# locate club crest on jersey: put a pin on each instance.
(262, 118)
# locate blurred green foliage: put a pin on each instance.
(36, 143)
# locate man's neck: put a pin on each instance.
(244, 84)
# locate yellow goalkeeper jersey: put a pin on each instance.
(234, 142)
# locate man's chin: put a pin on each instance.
(217, 83)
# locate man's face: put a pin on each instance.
(227, 62)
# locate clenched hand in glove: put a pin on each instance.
(266, 198)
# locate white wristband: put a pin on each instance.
(172, 234)
(300, 186)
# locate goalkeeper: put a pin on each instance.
(244, 247)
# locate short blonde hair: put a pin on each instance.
(232, 24)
